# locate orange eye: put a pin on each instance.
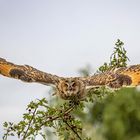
(65, 85)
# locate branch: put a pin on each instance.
(76, 133)
(26, 132)
(58, 116)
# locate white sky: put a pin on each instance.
(61, 36)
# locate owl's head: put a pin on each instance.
(71, 89)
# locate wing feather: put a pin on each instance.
(133, 72)
(127, 76)
(26, 73)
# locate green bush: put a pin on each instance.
(120, 115)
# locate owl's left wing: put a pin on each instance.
(26, 73)
(127, 76)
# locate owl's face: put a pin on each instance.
(71, 89)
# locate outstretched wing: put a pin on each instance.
(127, 76)
(26, 73)
(133, 72)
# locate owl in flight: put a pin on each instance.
(73, 88)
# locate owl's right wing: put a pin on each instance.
(117, 78)
(26, 73)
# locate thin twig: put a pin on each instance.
(76, 133)
(25, 135)
(6, 135)
(58, 116)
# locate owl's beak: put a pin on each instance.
(70, 88)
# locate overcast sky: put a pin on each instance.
(61, 36)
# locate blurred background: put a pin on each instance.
(60, 37)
